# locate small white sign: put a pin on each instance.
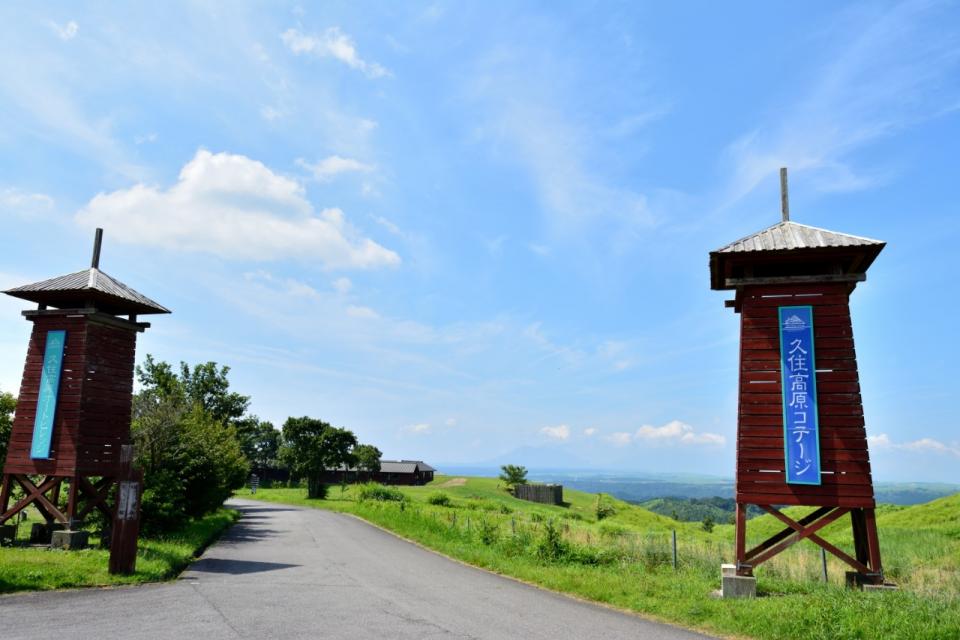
(129, 498)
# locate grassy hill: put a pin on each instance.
(625, 559)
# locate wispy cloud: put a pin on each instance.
(420, 429)
(526, 120)
(24, 204)
(335, 44)
(560, 432)
(896, 68)
(65, 32)
(234, 207)
(929, 445)
(674, 432)
(332, 166)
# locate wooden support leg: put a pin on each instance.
(860, 545)
(4, 495)
(72, 498)
(873, 543)
(741, 540)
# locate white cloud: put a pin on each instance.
(620, 438)
(331, 166)
(560, 432)
(270, 113)
(343, 285)
(145, 138)
(355, 311)
(236, 208)
(890, 74)
(335, 44)
(65, 32)
(451, 422)
(883, 441)
(419, 429)
(676, 431)
(24, 204)
(589, 431)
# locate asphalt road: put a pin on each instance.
(288, 572)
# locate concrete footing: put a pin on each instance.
(869, 582)
(69, 540)
(8, 533)
(734, 586)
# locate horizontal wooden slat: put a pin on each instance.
(827, 457)
(865, 502)
(826, 479)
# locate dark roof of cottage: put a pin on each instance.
(789, 235)
(88, 286)
(396, 466)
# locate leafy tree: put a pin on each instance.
(367, 457)
(260, 442)
(311, 445)
(512, 475)
(205, 384)
(8, 405)
(190, 455)
(707, 524)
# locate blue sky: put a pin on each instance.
(460, 229)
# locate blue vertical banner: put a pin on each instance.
(47, 398)
(801, 435)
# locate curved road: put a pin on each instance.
(289, 572)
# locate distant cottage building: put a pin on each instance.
(409, 472)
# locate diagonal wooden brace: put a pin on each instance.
(801, 532)
(97, 495)
(806, 532)
(36, 494)
(786, 533)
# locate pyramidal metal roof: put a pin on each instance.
(90, 285)
(789, 235)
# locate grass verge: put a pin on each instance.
(612, 561)
(35, 569)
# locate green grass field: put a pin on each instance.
(27, 569)
(625, 560)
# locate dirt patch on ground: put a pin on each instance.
(454, 482)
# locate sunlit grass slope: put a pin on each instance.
(625, 559)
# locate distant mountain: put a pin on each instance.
(545, 457)
(553, 464)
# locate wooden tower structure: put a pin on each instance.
(73, 411)
(801, 437)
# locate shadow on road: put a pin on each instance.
(237, 567)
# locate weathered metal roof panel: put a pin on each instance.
(92, 283)
(791, 235)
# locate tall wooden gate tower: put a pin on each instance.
(73, 411)
(801, 437)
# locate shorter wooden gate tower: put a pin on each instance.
(73, 411)
(801, 437)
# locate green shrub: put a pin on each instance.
(571, 515)
(439, 498)
(552, 547)
(504, 509)
(536, 516)
(489, 532)
(379, 492)
(604, 509)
